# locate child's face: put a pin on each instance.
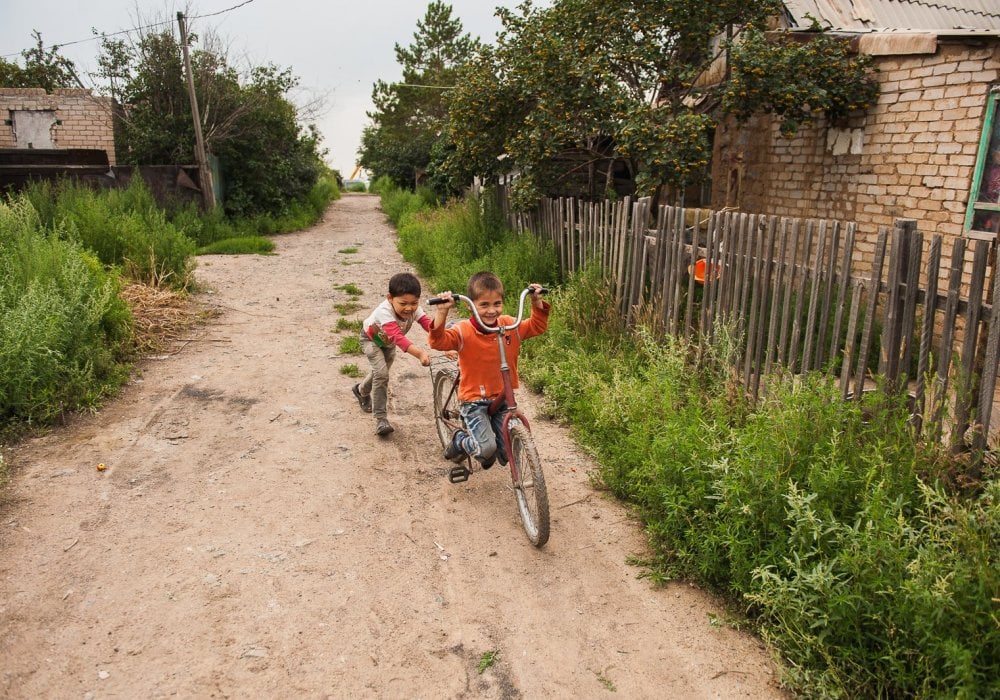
(489, 305)
(405, 305)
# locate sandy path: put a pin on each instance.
(251, 536)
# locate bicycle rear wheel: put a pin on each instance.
(529, 484)
(446, 415)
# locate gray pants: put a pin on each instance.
(376, 384)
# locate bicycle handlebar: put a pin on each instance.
(468, 302)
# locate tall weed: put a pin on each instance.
(64, 329)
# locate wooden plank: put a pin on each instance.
(754, 303)
(842, 287)
(964, 401)
(750, 243)
(666, 288)
(892, 327)
(678, 270)
(780, 266)
(851, 343)
(827, 298)
(988, 380)
(706, 302)
(766, 300)
(927, 329)
(804, 273)
(688, 314)
(874, 287)
(940, 394)
(817, 273)
(621, 220)
(786, 306)
(912, 282)
(712, 281)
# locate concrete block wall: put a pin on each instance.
(910, 156)
(86, 120)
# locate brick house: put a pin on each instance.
(922, 152)
(68, 118)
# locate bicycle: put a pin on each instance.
(527, 477)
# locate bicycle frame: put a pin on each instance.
(507, 397)
(527, 476)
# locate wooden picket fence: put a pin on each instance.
(803, 297)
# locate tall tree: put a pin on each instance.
(43, 68)
(409, 115)
(575, 89)
(268, 157)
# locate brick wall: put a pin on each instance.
(85, 120)
(912, 155)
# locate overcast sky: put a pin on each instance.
(338, 49)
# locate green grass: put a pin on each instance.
(348, 251)
(352, 370)
(352, 289)
(346, 308)
(350, 345)
(349, 324)
(239, 246)
(486, 660)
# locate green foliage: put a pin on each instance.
(347, 308)
(122, 228)
(868, 578)
(64, 329)
(43, 68)
(797, 80)
(486, 660)
(269, 161)
(409, 115)
(578, 89)
(357, 187)
(351, 370)
(239, 246)
(350, 288)
(449, 244)
(350, 345)
(347, 324)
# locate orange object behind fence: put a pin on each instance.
(698, 270)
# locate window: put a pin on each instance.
(982, 218)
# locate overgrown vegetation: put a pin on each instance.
(825, 519)
(64, 329)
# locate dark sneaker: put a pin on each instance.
(488, 462)
(454, 452)
(383, 427)
(364, 401)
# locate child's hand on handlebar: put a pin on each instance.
(536, 295)
(447, 302)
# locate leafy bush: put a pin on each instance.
(64, 329)
(870, 580)
(123, 228)
(239, 246)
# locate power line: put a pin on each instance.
(102, 35)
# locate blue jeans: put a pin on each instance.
(483, 432)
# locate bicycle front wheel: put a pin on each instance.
(446, 415)
(529, 484)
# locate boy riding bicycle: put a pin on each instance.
(479, 363)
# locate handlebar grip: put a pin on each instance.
(436, 300)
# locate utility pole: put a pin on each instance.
(204, 173)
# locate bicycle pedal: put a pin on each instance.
(457, 475)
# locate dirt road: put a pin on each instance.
(252, 537)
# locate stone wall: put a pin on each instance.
(81, 119)
(910, 156)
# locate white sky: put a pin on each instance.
(337, 48)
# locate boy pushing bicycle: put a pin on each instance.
(479, 363)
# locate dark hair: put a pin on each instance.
(483, 282)
(404, 283)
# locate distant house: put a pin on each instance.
(925, 151)
(63, 120)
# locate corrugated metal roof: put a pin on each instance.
(941, 16)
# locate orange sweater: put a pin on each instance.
(479, 356)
